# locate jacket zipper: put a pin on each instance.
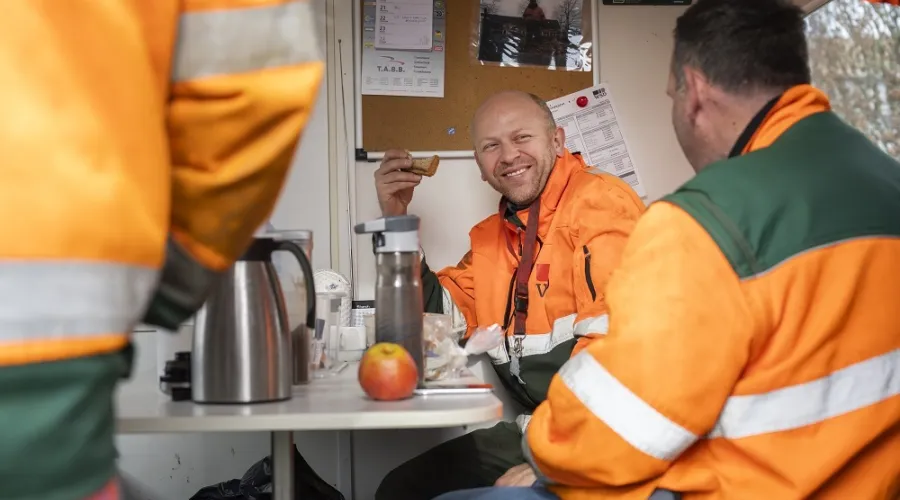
(587, 272)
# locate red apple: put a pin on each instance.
(387, 372)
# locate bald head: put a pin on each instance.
(502, 101)
(516, 144)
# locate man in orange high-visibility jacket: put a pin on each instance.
(753, 349)
(143, 143)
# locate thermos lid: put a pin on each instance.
(291, 235)
(399, 233)
(268, 230)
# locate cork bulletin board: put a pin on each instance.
(442, 124)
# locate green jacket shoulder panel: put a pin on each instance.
(820, 183)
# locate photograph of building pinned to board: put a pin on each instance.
(544, 33)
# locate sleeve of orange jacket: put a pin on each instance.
(458, 284)
(606, 219)
(244, 78)
(618, 413)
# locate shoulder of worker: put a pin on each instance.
(666, 225)
(591, 188)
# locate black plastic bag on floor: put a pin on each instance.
(257, 484)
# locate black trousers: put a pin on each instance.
(475, 460)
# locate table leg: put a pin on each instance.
(345, 463)
(282, 465)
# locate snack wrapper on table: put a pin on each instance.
(444, 357)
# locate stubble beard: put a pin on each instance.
(544, 166)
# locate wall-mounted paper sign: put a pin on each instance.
(391, 30)
(403, 24)
(591, 122)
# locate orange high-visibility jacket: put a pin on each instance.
(586, 217)
(754, 341)
(142, 143)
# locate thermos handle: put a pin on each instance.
(306, 267)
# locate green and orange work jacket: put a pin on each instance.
(143, 143)
(753, 348)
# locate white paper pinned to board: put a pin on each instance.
(592, 129)
(403, 24)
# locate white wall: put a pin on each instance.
(305, 200)
(175, 466)
(634, 51)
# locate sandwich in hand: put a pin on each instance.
(425, 166)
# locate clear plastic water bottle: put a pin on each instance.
(398, 284)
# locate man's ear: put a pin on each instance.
(480, 170)
(696, 92)
(559, 141)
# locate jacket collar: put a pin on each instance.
(565, 166)
(778, 115)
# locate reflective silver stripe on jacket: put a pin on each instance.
(222, 42)
(623, 411)
(645, 428)
(596, 324)
(564, 329)
(536, 344)
(848, 389)
(522, 422)
(41, 300)
(458, 324)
